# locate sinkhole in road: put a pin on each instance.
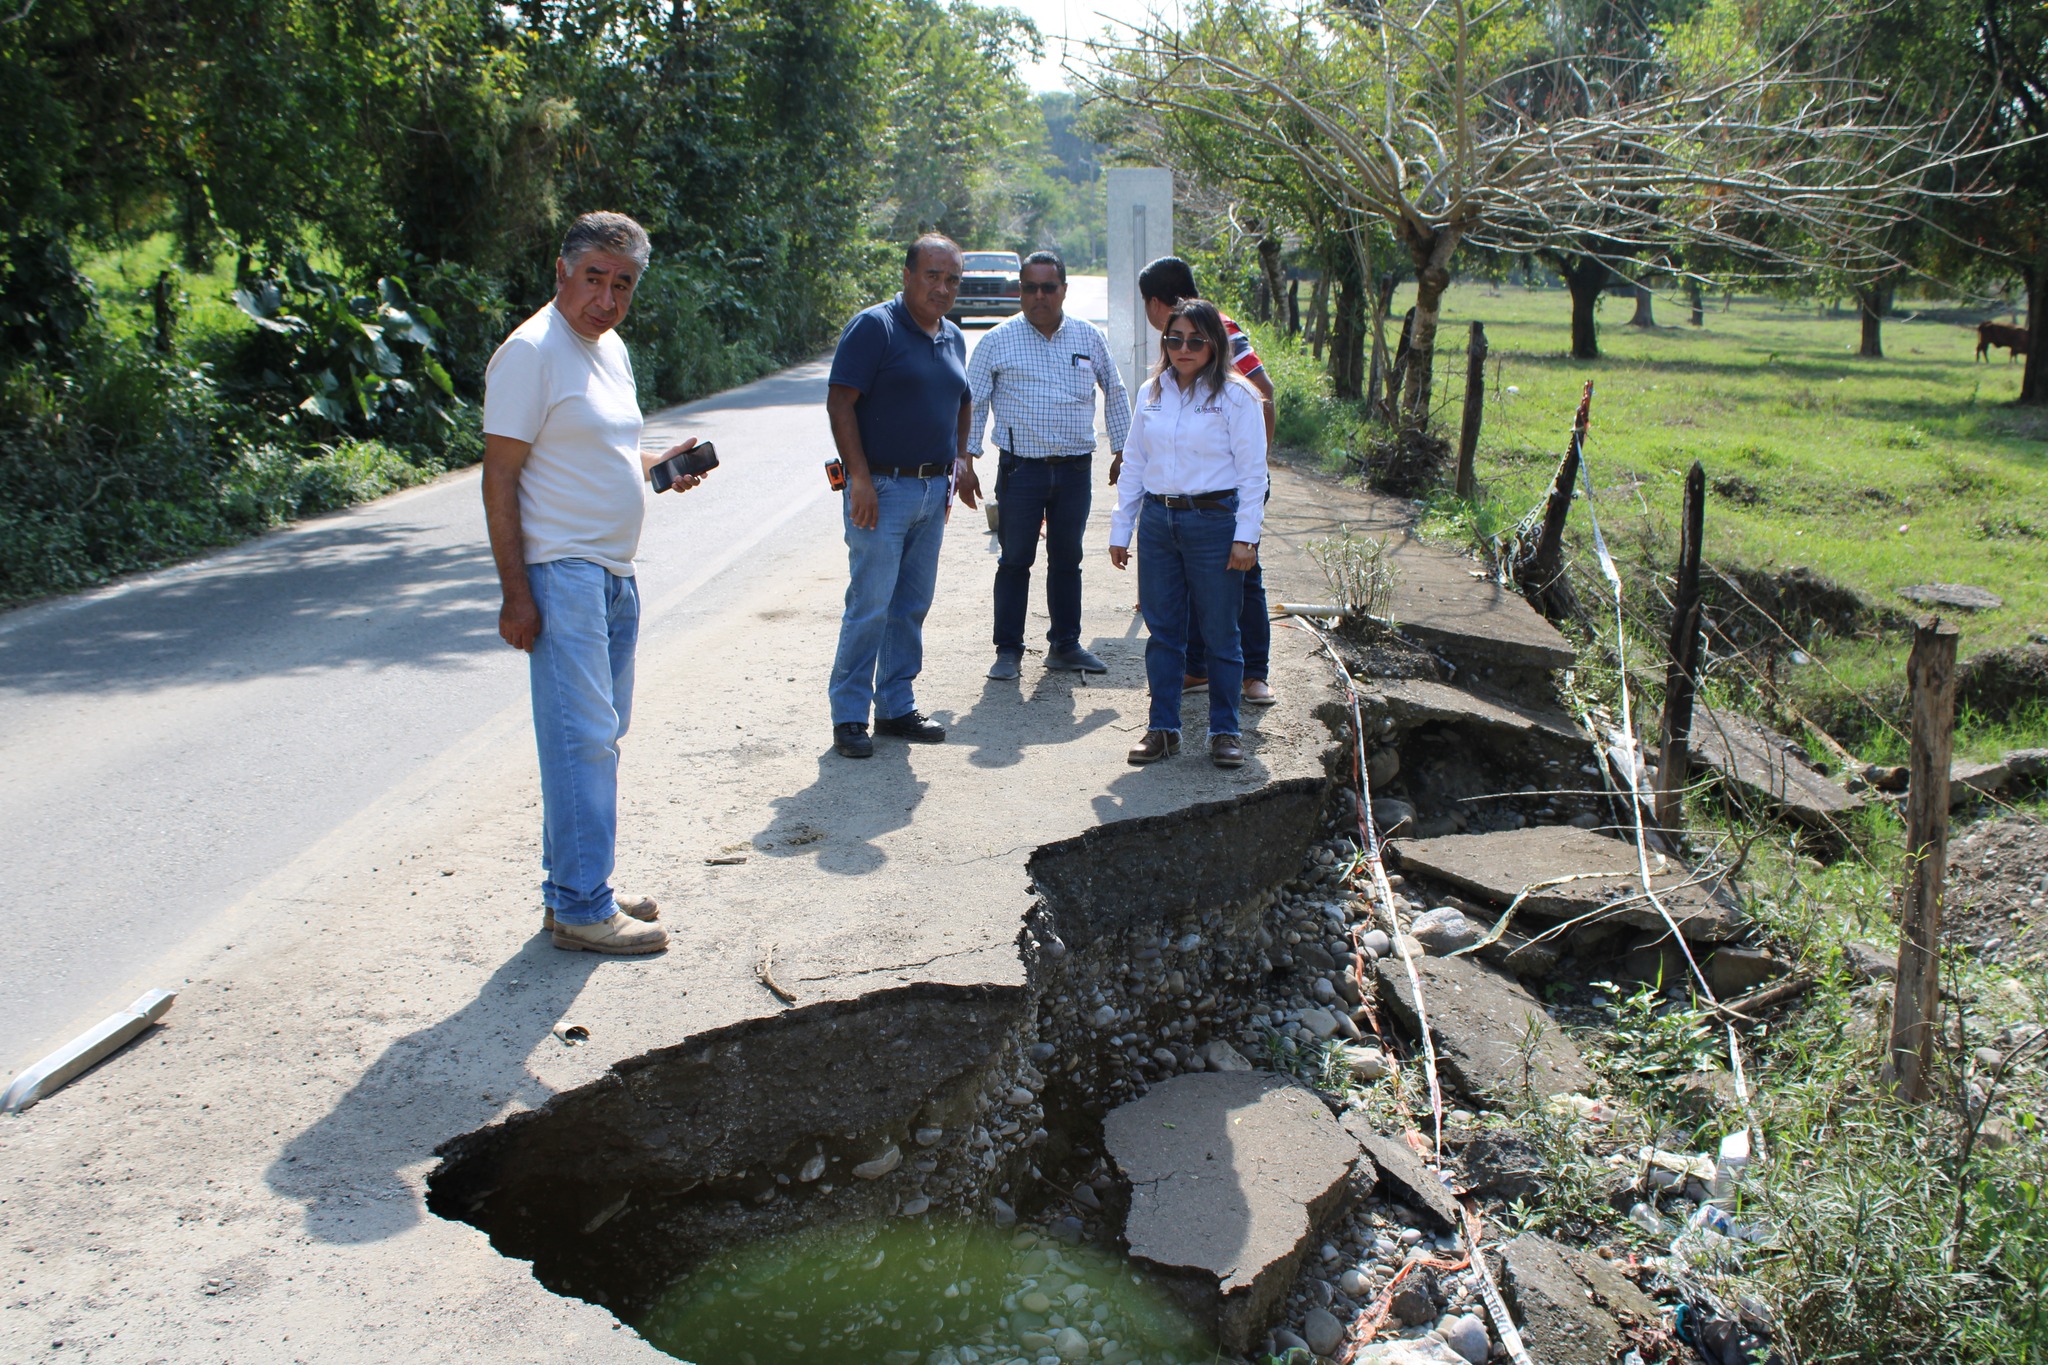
(920, 1169)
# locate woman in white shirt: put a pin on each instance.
(1193, 488)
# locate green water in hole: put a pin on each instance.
(899, 1292)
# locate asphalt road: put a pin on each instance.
(170, 742)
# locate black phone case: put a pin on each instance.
(664, 475)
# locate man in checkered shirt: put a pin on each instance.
(1039, 371)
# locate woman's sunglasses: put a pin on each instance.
(1173, 341)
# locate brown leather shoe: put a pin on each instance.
(1156, 744)
(1226, 751)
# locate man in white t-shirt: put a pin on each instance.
(565, 486)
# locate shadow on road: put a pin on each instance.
(1011, 716)
(853, 802)
(429, 1086)
(346, 593)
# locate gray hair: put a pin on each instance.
(938, 240)
(613, 233)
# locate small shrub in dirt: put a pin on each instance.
(1358, 572)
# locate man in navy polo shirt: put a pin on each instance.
(899, 405)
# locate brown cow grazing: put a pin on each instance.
(1990, 334)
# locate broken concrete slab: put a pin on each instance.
(1769, 767)
(1968, 778)
(1731, 971)
(1232, 1175)
(1571, 1307)
(1961, 596)
(1485, 1024)
(1405, 1177)
(1443, 600)
(1502, 1165)
(1417, 701)
(1497, 867)
(2029, 765)
(1522, 956)
(1867, 963)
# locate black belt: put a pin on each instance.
(1045, 459)
(1208, 502)
(912, 471)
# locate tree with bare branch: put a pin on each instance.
(1462, 121)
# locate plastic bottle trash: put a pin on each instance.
(1734, 1159)
(1648, 1219)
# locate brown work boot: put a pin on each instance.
(1156, 744)
(621, 935)
(1226, 751)
(639, 907)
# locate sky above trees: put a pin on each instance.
(1068, 24)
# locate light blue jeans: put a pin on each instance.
(892, 572)
(582, 669)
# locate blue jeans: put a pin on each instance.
(1029, 492)
(892, 571)
(582, 670)
(1254, 633)
(1183, 574)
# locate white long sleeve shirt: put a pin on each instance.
(1189, 441)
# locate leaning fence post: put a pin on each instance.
(1475, 405)
(1536, 561)
(1681, 676)
(1931, 677)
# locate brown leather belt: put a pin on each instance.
(1207, 502)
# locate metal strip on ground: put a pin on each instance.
(85, 1051)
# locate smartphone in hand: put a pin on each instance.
(701, 458)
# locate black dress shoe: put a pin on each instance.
(914, 726)
(1075, 659)
(851, 740)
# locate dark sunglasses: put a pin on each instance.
(1173, 341)
(1032, 287)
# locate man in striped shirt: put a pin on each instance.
(1162, 284)
(1038, 373)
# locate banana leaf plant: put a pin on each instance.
(360, 363)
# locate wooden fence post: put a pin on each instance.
(1931, 676)
(1537, 560)
(1681, 676)
(1475, 407)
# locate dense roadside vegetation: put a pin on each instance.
(255, 253)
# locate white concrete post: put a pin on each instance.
(1140, 232)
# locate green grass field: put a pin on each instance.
(124, 282)
(1876, 474)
